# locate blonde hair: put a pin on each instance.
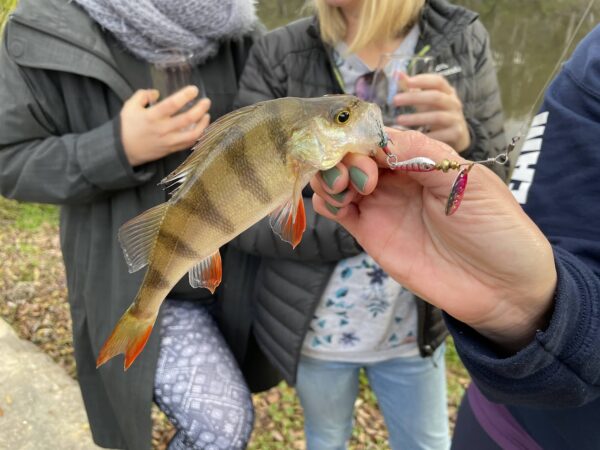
(379, 21)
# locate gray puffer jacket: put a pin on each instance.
(287, 285)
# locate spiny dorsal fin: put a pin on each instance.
(138, 235)
(200, 152)
(207, 273)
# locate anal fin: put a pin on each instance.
(207, 273)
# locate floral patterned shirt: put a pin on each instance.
(364, 316)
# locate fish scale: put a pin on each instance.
(249, 164)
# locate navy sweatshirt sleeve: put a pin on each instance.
(557, 180)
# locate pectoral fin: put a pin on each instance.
(137, 236)
(207, 273)
(289, 220)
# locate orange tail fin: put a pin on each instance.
(129, 337)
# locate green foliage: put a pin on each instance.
(457, 377)
(276, 13)
(6, 6)
(27, 216)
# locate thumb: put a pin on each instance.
(144, 97)
(411, 144)
(406, 145)
(485, 187)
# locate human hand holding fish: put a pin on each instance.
(488, 266)
(151, 133)
(438, 109)
(249, 164)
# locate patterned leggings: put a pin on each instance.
(198, 384)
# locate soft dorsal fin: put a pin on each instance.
(207, 273)
(289, 220)
(201, 151)
(138, 235)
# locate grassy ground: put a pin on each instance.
(33, 301)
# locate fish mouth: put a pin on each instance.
(384, 140)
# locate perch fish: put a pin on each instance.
(248, 164)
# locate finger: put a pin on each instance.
(185, 119)
(334, 180)
(411, 144)
(433, 119)
(188, 138)
(345, 216)
(173, 103)
(444, 135)
(363, 172)
(428, 81)
(431, 98)
(143, 97)
(340, 197)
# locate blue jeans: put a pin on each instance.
(411, 393)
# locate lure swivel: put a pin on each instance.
(423, 164)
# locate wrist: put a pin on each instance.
(514, 323)
(132, 155)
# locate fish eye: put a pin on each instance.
(342, 116)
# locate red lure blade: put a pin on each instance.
(458, 191)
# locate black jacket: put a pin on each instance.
(61, 92)
(287, 284)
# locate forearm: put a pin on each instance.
(560, 365)
(69, 169)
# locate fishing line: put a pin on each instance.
(422, 164)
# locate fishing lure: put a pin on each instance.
(423, 164)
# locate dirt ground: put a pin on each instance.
(33, 301)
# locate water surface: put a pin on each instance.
(527, 39)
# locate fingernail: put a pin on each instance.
(339, 197)
(358, 177)
(330, 176)
(332, 209)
